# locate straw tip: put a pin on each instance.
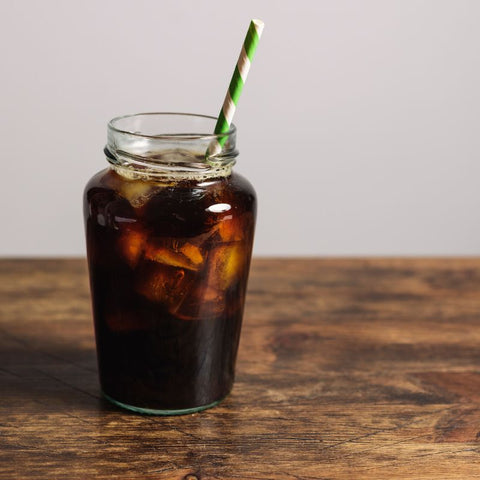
(258, 25)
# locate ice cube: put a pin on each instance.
(175, 274)
(202, 302)
(175, 253)
(162, 284)
(131, 245)
(207, 298)
(137, 192)
(193, 253)
(230, 230)
(226, 263)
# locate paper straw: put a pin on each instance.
(236, 85)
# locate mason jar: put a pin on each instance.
(169, 235)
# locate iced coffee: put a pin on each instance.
(169, 240)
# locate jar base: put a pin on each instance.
(154, 411)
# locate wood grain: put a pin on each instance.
(348, 369)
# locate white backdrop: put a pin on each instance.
(358, 126)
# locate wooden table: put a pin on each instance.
(348, 369)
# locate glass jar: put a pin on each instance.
(169, 241)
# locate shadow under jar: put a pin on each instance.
(169, 241)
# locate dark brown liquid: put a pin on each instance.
(168, 271)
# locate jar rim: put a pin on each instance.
(137, 146)
(169, 136)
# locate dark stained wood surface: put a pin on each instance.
(348, 369)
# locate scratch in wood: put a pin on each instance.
(250, 477)
(295, 477)
(375, 448)
(447, 452)
(31, 348)
(2, 369)
(71, 415)
(384, 430)
(17, 446)
(156, 421)
(273, 475)
(429, 454)
(168, 467)
(63, 382)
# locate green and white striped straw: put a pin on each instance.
(236, 85)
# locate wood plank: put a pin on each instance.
(348, 368)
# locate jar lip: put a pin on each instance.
(169, 136)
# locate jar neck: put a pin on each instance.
(170, 146)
